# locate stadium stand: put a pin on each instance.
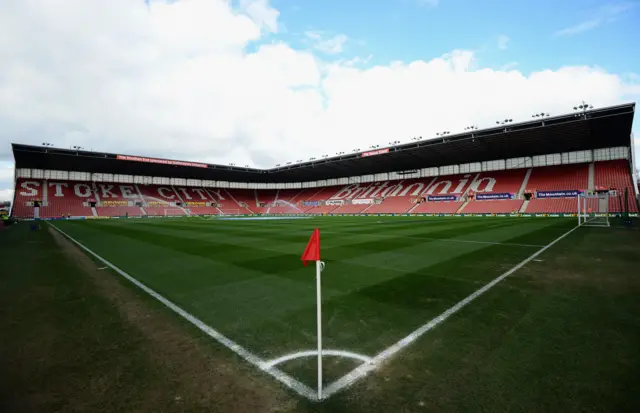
(559, 178)
(450, 207)
(56, 198)
(319, 195)
(238, 200)
(117, 200)
(352, 209)
(401, 196)
(65, 198)
(556, 206)
(120, 211)
(393, 205)
(508, 181)
(494, 207)
(53, 182)
(616, 175)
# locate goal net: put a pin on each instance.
(175, 212)
(229, 212)
(593, 209)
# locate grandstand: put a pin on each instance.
(537, 172)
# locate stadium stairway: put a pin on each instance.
(461, 210)
(411, 211)
(592, 177)
(525, 181)
(178, 194)
(239, 196)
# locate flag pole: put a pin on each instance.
(319, 307)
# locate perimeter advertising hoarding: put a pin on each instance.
(376, 152)
(442, 198)
(334, 202)
(504, 195)
(572, 193)
(108, 202)
(160, 161)
(362, 201)
(311, 203)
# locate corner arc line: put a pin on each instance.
(312, 353)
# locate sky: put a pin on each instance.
(263, 82)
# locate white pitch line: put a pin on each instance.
(279, 375)
(312, 353)
(362, 370)
(515, 244)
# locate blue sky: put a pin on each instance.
(596, 32)
(262, 82)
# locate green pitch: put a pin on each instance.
(384, 277)
(559, 333)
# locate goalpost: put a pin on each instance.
(229, 212)
(593, 209)
(173, 212)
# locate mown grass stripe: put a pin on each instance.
(389, 352)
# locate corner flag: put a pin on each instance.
(312, 253)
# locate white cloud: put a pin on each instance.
(580, 27)
(331, 45)
(6, 195)
(175, 80)
(503, 42)
(356, 61)
(509, 66)
(604, 15)
(6, 181)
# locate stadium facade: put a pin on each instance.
(531, 168)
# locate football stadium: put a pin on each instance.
(491, 270)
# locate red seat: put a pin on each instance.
(616, 174)
(399, 196)
(493, 207)
(559, 178)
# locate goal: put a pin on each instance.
(229, 212)
(593, 209)
(174, 212)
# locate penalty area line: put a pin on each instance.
(282, 377)
(364, 369)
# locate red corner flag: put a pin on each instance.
(312, 252)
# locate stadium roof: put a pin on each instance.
(593, 129)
